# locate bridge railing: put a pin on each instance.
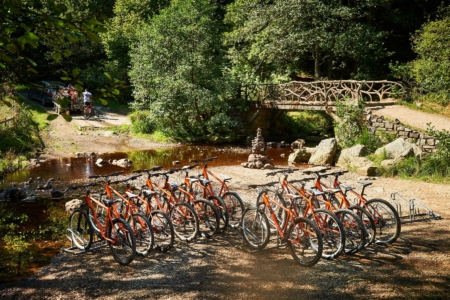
(324, 91)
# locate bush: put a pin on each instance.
(142, 122)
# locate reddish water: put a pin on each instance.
(70, 168)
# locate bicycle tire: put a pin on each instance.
(143, 233)
(222, 210)
(80, 230)
(279, 212)
(163, 231)
(368, 223)
(304, 241)
(256, 229)
(387, 220)
(124, 246)
(354, 230)
(208, 217)
(332, 230)
(185, 221)
(235, 207)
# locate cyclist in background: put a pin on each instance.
(87, 98)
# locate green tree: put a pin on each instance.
(431, 68)
(177, 72)
(320, 37)
(129, 16)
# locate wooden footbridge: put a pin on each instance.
(322, 95)
(317, 95)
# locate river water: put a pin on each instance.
(76, 168)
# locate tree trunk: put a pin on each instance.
(316, 62)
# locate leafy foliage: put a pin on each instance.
(284, 37)
(351, 123)
(176, 70)
(430, 69)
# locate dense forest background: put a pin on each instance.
(179, 63)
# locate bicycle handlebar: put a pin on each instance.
(309, 172)
(106, 176)
(153, 169)
(282, 171)
(203, 160)
(339, 173)
(126, 179)
(254, 186)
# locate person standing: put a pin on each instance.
(87, 97)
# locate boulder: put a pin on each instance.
(268, 167)
(324, 153)
(300, 155)
(347, 155)
(399, 148)
(387, 163)
(367, 171)
(73, 204)
(298, 144)
(124, 162)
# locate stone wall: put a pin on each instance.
(425, 142)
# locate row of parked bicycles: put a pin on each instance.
(314, 223)
(320, 221)
(137, 223)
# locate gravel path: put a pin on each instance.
(414, 118)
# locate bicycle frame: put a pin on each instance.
(281, 231)
(110, 212)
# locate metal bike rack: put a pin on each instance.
(96, 245)
(418, 211)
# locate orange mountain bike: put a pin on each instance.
(109, 227)
(303, 204)
(140, 224)
(384, 215)
(183, 216)
(339, 199)
(232, 200)
(301, 235)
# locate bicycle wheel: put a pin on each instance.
(143, 233)
(387, 221)
(354, 230)
(332, 230)
(162, 230)
(368, 223)
(123, 245)
(79, 230)
(275, 200)
(222, 210)
(185, 221)
(208, 217)
(235, 207)
(255, 228)
(304, 241)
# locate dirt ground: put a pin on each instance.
(417, 266)
(63, 138)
